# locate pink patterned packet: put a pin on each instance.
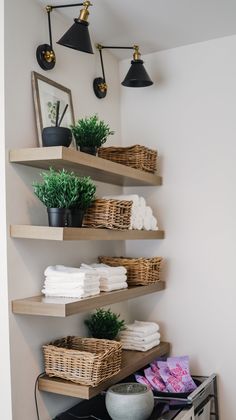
(143, 380)
(179, 368)
(172, 384)
(154, 367)
(155, 379)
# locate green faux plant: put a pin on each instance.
(91, 132)
(105, 324)
(62, 189)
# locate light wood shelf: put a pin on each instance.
(63, 307)
(131, 362)
(80, 234)
(84, 164)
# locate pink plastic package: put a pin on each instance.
(179, 368)
(155, 380)
(172, 383)
(154, 367)
(143, 380)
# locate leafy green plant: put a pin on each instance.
(105, 324)
(91, 132)
(62, 189)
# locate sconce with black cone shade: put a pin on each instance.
(136, 76)
(77, 37)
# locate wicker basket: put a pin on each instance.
(86, 361)
(138, 157)
(110, 214)
(140, 271)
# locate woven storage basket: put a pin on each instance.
(110, 214)
(138, 157)
(140, 271)
(86, 361)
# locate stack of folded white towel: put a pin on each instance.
(61, 281)
(140, 336)
(111, 278)
(141, 214)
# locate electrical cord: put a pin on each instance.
(35, 394)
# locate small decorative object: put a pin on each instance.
(140, 271)
(105, 324)
(47, 94)
(129, 401)
(90, 133)
(138, 157)
(64, 194)
(85, 361)
(109, 214)
(57, 136)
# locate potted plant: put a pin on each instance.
(105, 324)
(56, 135)
(62, 191)
(85, 195)
(90, 133)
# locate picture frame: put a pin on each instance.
(46, 93)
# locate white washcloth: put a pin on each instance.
(106, 269)
(71, 293)
(139, 340)
(113, 279)
(143, 328)
(113, 286)
(140, 347)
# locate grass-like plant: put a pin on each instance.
(91, 132)
(62, 189)
(105, 324)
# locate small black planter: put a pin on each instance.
(90, 150)
(56, 136)
(59, 217)
(77, 216)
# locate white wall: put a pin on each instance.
(5, 381)
(189, 116)
(25, 28)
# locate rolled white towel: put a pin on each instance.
(139, 340)
(140, 347)
(113, 286)
(142, 202)
(154, 225)
(137, 219)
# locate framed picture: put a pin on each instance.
(46, 93)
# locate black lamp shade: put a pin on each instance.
(77, 37)
(137, 75)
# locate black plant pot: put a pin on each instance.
(77, 216)
(59, 217)
(90, 150)
(56, 136)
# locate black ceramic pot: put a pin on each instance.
(90, 150)
(56, 136)
(59, 217)
(77, 216)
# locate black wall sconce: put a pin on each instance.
(77, 37)
(136, 76)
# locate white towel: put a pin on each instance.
(143, 328)
(66, 286)
(71, 293)
(124, 336)
(113, 286)
(61, 270)
(106, 269)
(154, 225)
(113, 279)
(142, 202)
(140, 347)
(73, 280)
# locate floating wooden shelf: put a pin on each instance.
(87, 165)
(80, 234)
(63, 307)
(131, 362)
